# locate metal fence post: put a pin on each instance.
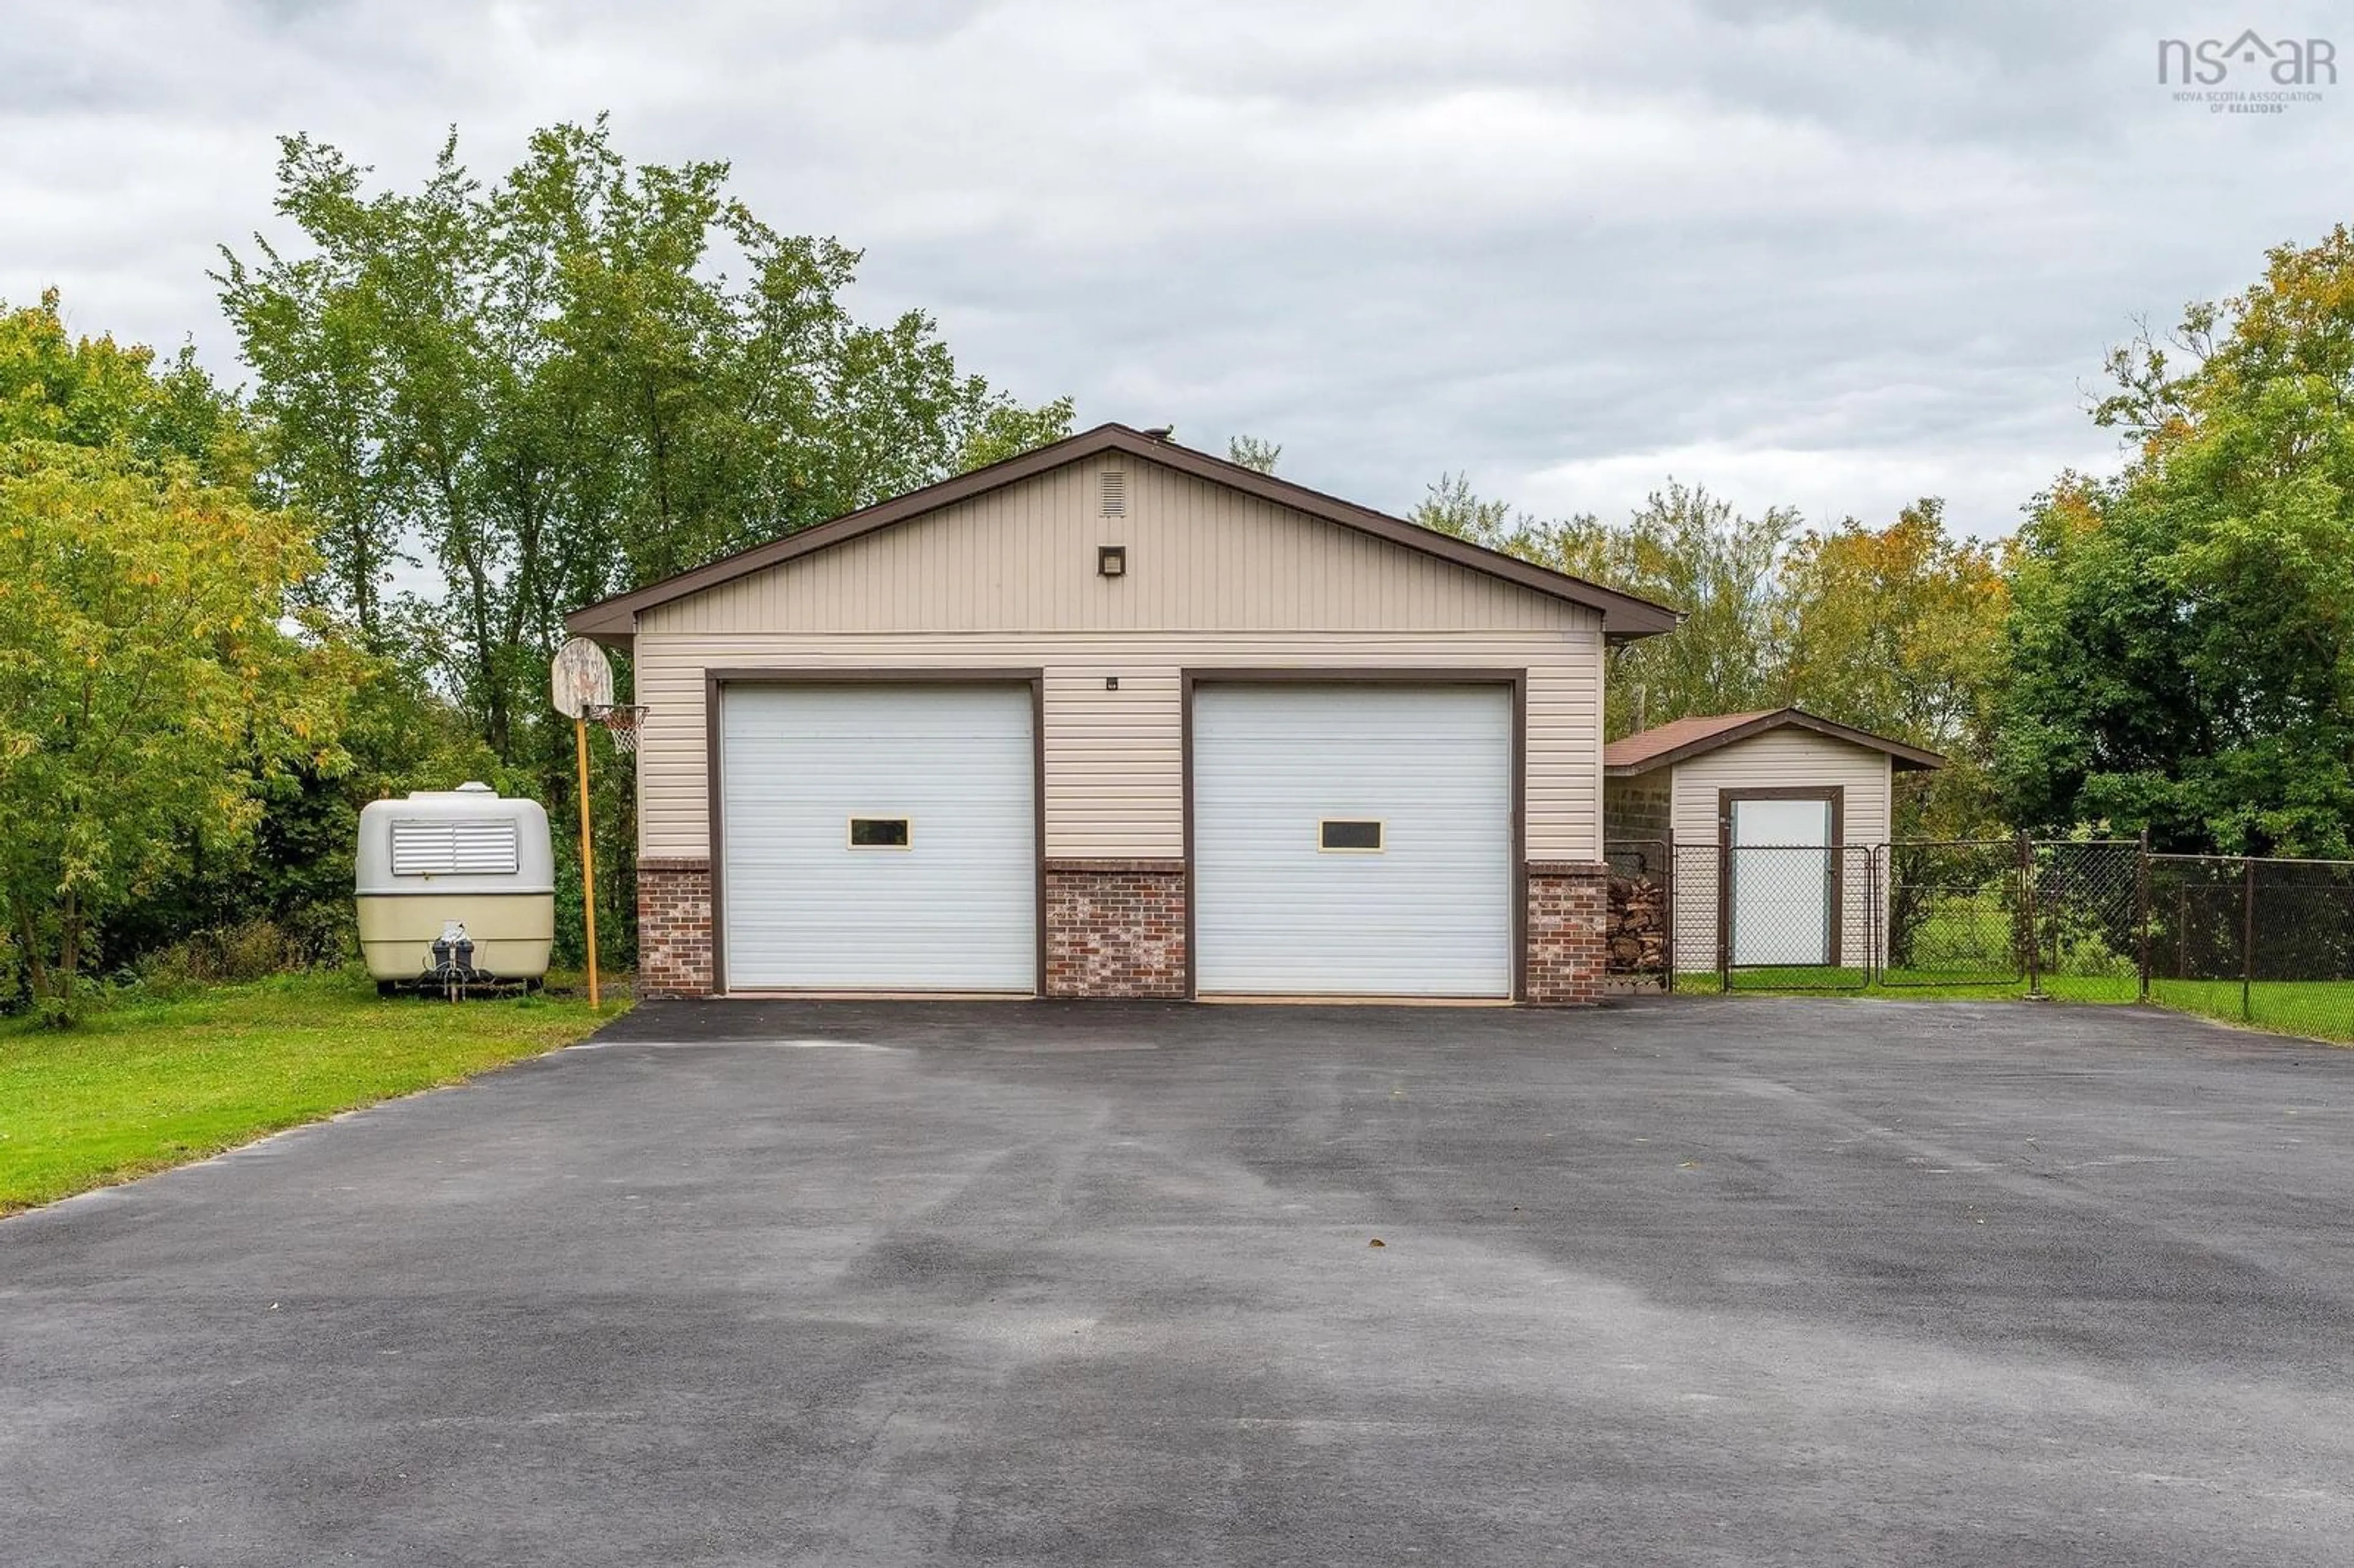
(1668, 911)
(2027, 913)
(1875, 960)
(1724, 914)
(2141, 912)
(2247, 935)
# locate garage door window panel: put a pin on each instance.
(1349, 836)
(882, 834)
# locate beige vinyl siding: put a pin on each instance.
(1201, 557)
(1114, 758)
(1789, 757)
(1214, 576)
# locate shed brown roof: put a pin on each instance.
(1624, 616)
(1680, 739)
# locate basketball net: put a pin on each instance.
(620, 721)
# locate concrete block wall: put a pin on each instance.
(1640, 808)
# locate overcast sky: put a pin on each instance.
(1828, 256)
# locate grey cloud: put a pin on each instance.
(1832, 254)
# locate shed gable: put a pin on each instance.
(1200, 556)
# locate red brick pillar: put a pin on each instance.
(1115, 928)
(1568, 909)
(674, 927)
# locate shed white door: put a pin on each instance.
(1352, 841)
(878, 838)
(1781, 882)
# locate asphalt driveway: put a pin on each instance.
(1752, 1281)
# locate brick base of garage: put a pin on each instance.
(1115, 928)
(674, 927)
(1569, 905)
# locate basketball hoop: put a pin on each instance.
(620, 721)
(581, 678)
(580, 684)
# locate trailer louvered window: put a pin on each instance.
(453, 849)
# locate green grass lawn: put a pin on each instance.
(2320, 1009)
(147, 1085)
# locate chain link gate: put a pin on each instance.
(2085, 899)
(1798, 917)
(1956, 913)
(1771, 917)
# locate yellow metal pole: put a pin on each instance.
(588, 863)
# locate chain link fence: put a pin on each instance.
(2268, 942)
(2084, 907)
(1766, 918)
(2263, 941)
(1956, 914)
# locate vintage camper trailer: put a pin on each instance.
(462, 869)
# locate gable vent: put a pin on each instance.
(453, 849)
(1115, 492)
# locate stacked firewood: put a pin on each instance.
(1638, 927)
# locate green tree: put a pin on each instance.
(560, 385)
(1682, 547)
(94, 392)
(1897, 629)
(1006, 429)
(2182, 643)
(1255, 454)
(578, 379)
(1900, 631)
(149, 685)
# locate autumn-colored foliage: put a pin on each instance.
(148, 680)
(1895, 630)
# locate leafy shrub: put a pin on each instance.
(313, 936)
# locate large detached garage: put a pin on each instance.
(1116, 718)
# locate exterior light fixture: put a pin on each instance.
(1111, 560)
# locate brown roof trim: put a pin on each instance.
(1624, 616)
(1904, 758)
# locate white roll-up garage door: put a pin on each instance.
(879, 837)
(1352, 840)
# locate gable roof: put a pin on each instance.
(1685, 737)
(1624, 616)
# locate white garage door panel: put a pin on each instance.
(956, 910)
(1429, 915)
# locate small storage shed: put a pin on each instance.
(1782, 810)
